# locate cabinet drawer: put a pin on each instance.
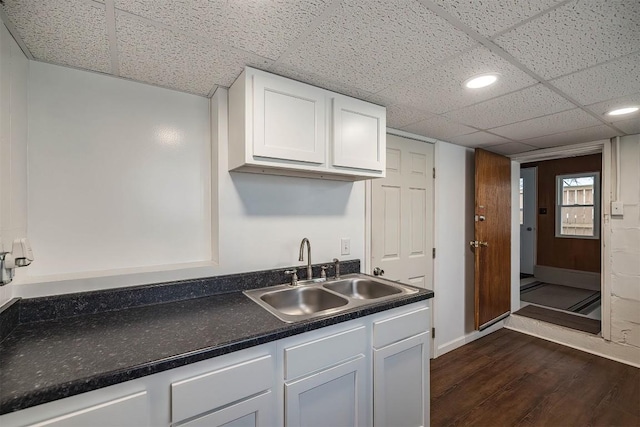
(221, 387)
(397, 328)
(131, 411)
(323, 352)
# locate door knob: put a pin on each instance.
(476, 244)
(378, 271)
(529, 228)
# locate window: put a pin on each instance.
(578, 205)
(521, 201)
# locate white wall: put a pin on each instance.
(263, 218)
(14, 68)
(625, 249)
(120, 184)
(453, 304)
(118, 173)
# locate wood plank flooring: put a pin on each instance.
(512, 379)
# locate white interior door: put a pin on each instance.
(528, 219)
(402, 214)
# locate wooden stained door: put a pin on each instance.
(492, 244)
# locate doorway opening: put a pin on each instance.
(560, 241)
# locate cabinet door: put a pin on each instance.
(289, 120)
(334, 397)
(359, 138)
(401, 383)
(254, 412)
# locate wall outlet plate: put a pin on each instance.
(345, 246)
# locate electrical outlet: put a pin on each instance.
(345, 246)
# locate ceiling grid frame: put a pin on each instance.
(493, 47)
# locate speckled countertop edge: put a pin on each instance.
(274, 330)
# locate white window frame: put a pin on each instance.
(596, 204)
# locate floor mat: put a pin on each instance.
(555, 317)
(557, 296)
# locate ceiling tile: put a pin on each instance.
(525, 104)
(510, 148)
(72, 32)
(439, 128)
(629, 126)
(325, 83)
(371, 44)
(478, 139)
(400, 115)
(589, 134)
(163, 57)
(547, 125)
(491, 17)
(601, 108)
(440, 89)
(576, 35)
(606, 81)
(265, 28)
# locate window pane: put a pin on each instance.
(521, 201)
(577, 221)
(578, 191)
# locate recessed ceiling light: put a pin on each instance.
(481, 80)
(621, 111)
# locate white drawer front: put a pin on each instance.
(131, 411)
(221, 387)
(324, 352)
(399, 327)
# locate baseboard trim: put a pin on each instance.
(466, 339)
(563, 276)
(575, 339)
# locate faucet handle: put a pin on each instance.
(294, 276)
(323, 272)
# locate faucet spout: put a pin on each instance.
(301, 257)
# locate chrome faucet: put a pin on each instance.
(301, 258)
(336, 262)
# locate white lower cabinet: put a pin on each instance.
(368, 371)
(253, 412)
(332, 397)
(325, 377)
(401, 370)
(401, 383)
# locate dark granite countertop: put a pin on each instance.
(49, 360)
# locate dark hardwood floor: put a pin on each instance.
(513, 379)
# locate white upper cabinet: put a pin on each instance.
(284, 127)
(288, 120)
(358, 139)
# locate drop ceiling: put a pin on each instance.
(563, 64)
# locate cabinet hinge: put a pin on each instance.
(434, 173)
(433, 332)
(433, 253)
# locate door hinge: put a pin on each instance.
(433, 332)
(434, 173)
(433, 253)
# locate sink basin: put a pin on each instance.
(362, 288)
(319, 297)
(303, 300)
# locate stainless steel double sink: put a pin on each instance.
(320, 297)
